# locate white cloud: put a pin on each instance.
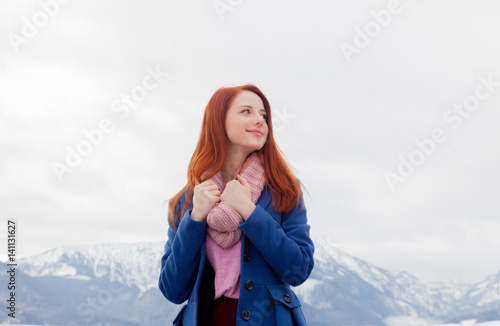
(350, 121)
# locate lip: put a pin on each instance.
(255, 131)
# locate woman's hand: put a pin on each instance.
(205, 196)
(238, 195)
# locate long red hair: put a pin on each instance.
(211, 151)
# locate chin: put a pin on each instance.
(258, 147)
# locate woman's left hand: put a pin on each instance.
(238, 195)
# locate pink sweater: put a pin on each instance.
(227, 267)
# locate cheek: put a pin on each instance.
(235, 127)
(238, 125)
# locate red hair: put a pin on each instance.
(211, 151)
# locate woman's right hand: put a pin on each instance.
(206, 194)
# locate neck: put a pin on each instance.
(234, 161)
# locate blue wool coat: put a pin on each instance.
(276, 252)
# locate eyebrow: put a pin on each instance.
(249, 106)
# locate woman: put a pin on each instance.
(238, 235)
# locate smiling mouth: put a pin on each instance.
(255, 132)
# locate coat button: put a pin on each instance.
(249, 285)
(287, 298)
(246, 315)
(246, 257)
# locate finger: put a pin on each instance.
(243, 180)
(214, 192)
(210, 183)
(210, 187)
(216, 198)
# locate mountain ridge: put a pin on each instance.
(342, 289)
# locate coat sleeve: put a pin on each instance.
(287, 248)
(180, 262)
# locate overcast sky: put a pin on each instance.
(387, 110)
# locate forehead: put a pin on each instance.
(247, 98)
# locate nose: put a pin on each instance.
(259, 119)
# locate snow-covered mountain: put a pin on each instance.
(130, 264)
(117, 284)
(480, 298)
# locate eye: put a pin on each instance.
(263, 115)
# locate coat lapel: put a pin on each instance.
(265, 197)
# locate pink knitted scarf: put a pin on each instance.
(223, 220)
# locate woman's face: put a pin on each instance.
(246, 124)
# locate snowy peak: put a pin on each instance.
(130, 264)
(485, 294)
